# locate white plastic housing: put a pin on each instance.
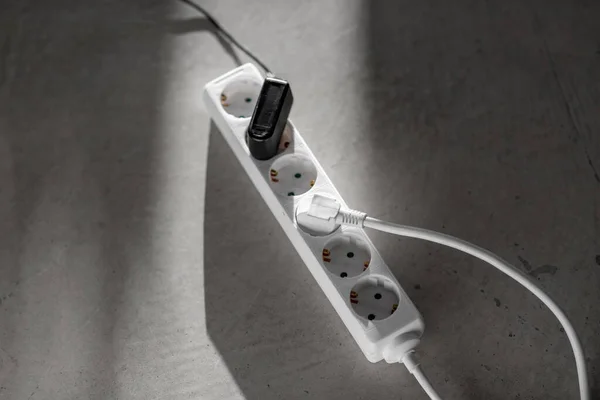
(297, 177)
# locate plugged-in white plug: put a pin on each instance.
(324, 207)
(324, 215)
(316, 219)
(329, 211)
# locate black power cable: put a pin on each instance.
(223, 32)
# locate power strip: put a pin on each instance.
(345, 263)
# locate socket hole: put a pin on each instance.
(292, 175)
(346, 253)
(377, 296)
(371, 317)
(239, 97)
(343, 274)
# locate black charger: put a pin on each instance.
(269, 118)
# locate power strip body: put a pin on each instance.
(357, 297)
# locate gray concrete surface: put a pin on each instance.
(138, 262)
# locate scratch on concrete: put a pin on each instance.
(4, 52)
(596, 175)
(536, 272)
(525, 263)
(12, 359)
(4, 298)
(37, 386)
(567, 104)
(544, 269)
(570, 114)
(34, 391)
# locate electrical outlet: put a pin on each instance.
(346, 255)
(292, 175)
(343, 260)
(238, 98)
(374, 298)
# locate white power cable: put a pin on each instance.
(328, 210)
(413, 367)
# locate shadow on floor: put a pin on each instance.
(195, 25)
(78, 137)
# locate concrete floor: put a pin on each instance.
(138, 262)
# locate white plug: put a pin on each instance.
(316, 219)
(324, 208)
(322, 215)
(330, 211)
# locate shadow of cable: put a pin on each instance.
(192, 25)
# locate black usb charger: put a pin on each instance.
(269, 118)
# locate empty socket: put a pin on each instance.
(374, 298)
(239, 97)
(292, 175)
(346, 255)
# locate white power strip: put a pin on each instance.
(347, 266)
